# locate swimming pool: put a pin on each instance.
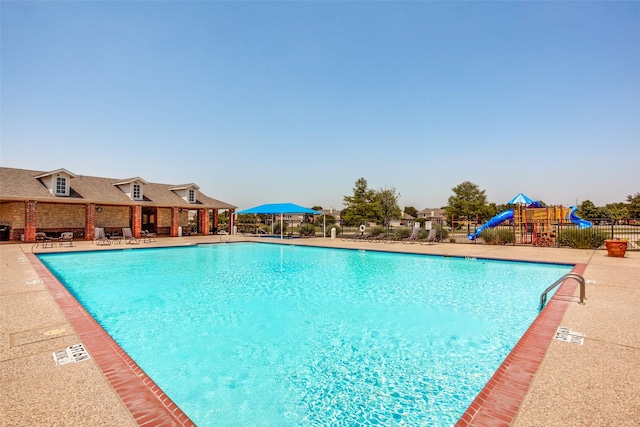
(263, 334)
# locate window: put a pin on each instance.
(61, 185)
(137, 192)
(192, 196)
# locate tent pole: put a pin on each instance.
(324, 226)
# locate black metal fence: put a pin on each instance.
(587, 235)
(552, 234)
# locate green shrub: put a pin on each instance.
(422, 234)
(498, 236)
(402, 232)
(441, 231)
(377, 230)
(307, 230)
(588, 238)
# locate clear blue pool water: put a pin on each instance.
(277, 335)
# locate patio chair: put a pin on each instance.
(351, 236)
(379, 238)
(363, 236)
(44, 240)
(100, 237)
(66, 237)
(147, 236)
(413, 238)
(431, 238)
(129, 238)
(391, 239)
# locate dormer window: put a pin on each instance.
(133, 188)
(187, 192)
(58, 182)
(137, 192)
(61, 186)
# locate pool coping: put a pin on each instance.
(497, 403)
(501, 398)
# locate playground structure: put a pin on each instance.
(534, 223)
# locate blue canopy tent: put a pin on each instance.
(522, 199)
(280, 209)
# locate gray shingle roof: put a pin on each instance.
(22, 184)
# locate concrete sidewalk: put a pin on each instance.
(597, 383)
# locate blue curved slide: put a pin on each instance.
(496, 220)
(582, 223)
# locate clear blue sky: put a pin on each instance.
(264, 102)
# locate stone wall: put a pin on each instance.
(112, 216)
(164, 217)
(50, 215)
(12, 213)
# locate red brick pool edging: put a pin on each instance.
(496, 405)
(145, 400)
(499, 401)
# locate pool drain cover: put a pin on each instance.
(567, 335)
(74, 353)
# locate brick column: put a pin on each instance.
(203, 221)
(214, 220)
(30, 216)
(174, 222)
(90, 221)
(136, 220)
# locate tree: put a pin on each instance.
(616, 211)
(588, 210)
(501, 207)
(410, 210)
(359, 208)
(467, 201)
(492, 210)
(388, 205)
(328, 218)
(634, 205)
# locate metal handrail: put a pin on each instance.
(572, 275)
(224, 233)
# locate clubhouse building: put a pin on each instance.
(60, 201)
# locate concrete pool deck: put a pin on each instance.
(597, 383)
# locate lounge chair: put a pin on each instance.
(44, 240)
(392, 239)
(147, 236)
(351, 236)
(100, 237)
(129, 238)
(66, 237)
(431, 238)
(413, 238)
(363, 236)
(379, 238)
